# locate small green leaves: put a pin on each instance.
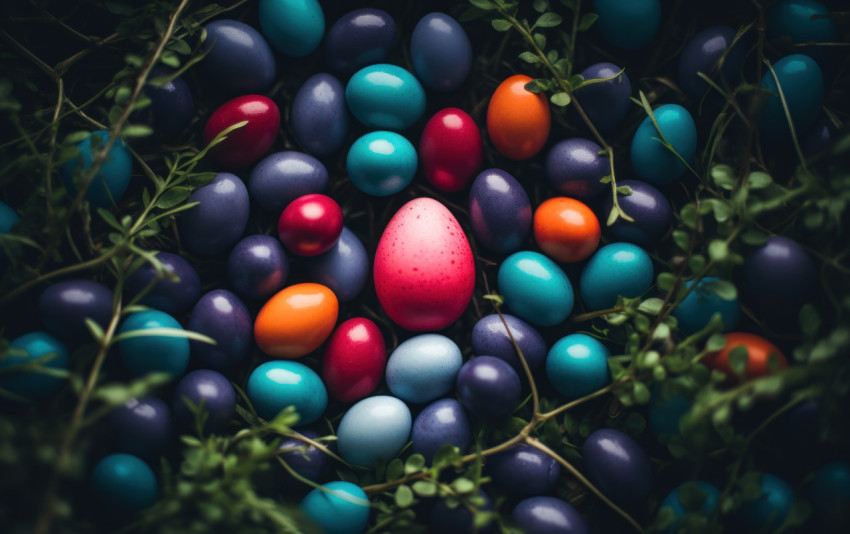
(424, 488)
(530, 57)
(486, 5)
(722, 288)
(548, 20)
(738, 357)
(500, 25)
(724, 176)
(560, 99)
(404, 496)
(587, 21)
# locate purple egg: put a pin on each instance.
(141, 426)
(616, 464)
(440, 52)
(575, 166)
(172, 106)
(458, 520)
(359, 38)
(344, 268)
(488, 387)
(781, 276)
(257, 267)
(605, 103)
(442, 422)
(217, 223)
(171, 297)
(304, 459)
(548, 515)
(66, 305)
(319, 116)
(222, 316)
(702, 53)
(282, 177)
(523, 470)
(650, 210)
(239, 59)
(499, 210)
(818, 136)
(212, 389)
(489, 337)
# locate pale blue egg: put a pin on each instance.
(376, 427)
(440, 52)
(293, 27)
(577, 365)
(381, 163)
(802, 85)
(535, 288)
(652, 161)
(423, 368)
(278, 384)
(385, 97)
(616, 269)
(338, 507)
(628, 24)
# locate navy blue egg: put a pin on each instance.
(548, 515)
(173, 297)
(442, 422)
(222, 316)
(617, 465)
(64, 306)
(280, 178)
(172, 106)
(305, 459)
(257, 267)
(344, 268)
(499, 210)
(440, 52)
(459, 520)
(239, 59)
(319, 116)
(209, 390)
(488, 387)
(489, 337)
(220, 218)
(523, 470)
(141, 426)
(780, 275)
(359, 38)
(575, 166)
(650, 210)
(605, 103)
(802, 85)
(702, 53)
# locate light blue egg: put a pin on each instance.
(696, 310)
(32, 384)
(535, 288)
(110, 182)
(385, 97)
(615, 269)
(651, 161)
(376, 427)
(672, 501)
(802, 84)
(628, 24)
(338, 508)
(124, 481)
(152, 353)
(577, 365)
(440, 52)
(278, 384)
(423, 368)
(381, 163)
(293, 27)
(344, 268)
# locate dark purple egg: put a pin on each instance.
(141, 426)
(818, 136)
(440, 52)
(217, 223)
(239, 59)
(488, 387)
(702, 53)
(306, 460)
(605, 103)
(575, 166)
(172, 106)
(344, 268)
(66, 305)
(650, 210)
(359, 38)
(172, 297)
(489, 337)
(781, 276)
(442, 422)
(319, 116)
(212, 389)
(615, 463)
(222, 316)
(282, 177)
(257, 267)
(523, 470)
(459, 520)
(499, 210)
(548, 515)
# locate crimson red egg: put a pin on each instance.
(450, 150)
(354, 361)
(247, 144)
(310, 224)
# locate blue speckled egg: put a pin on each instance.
(217, 223)
(831, 496)
(381, 163)
(294, 27)
(222, 316)
(172, 106)
(359, 38)
(65, 305)
(629, 24)
(210, 391)
(575, 166)
(710, 497)
(440, 52)
(375, 427)
(618, 466)
(490, 337)
(338, 508)
(277, 384)
(319, 117)
(651, 161)
(799, 20)
(577, 365)
(36, 346)
(548, 515)
(385, 97)
(423, 368)
(769, 510)
(145, 354)
(344, 268)
(605, 103)
(616, 269)
(649, 208)
(257, 267)
(280, 178)
(802, 84)
(702, 53)
(239, 58)
(173, 297)
(124, 481)
(110, 182)
(535, 288)
(696, 310)
(141, 426)
(442, 422)
(523, 470)
(499, 211)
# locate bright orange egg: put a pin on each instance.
(518, 121)
(296, 321)
(566, 229)
(759, 351)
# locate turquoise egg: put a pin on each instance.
(665, 414)
(278, 384)
(535, 288)
(423, 368)
(376, 427)
(710, 497)
(651, 161)
(769, 510)
(293, 27)
(629, 24)
(110, 182)
(803, 21)
(32, 384)
(8, 219)
(124, 481)
(338, 508)
(381, 163)
(151, 353)
(802, 84)
(577, 365)
(696, 310)
(385, 97)
(615, 269)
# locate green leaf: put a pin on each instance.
(759, 180)
(181, 47)
(666, 281)
(486, 5)
(540, 6)
(624, 190)
(612, 217)
(560, 99)
(425, 488)
(395, 469)
(414, 464)
(652, 306)
(641, 393)
(724, 176)
(587, 21)
(718, 251)
(738, 358)
(173, 197)
(722, 288)
(689, 215)
(552, 55)
(136, 130)
(404, 496)
(463, 485)
(682, 239)
(754, 237)
(569, 4)
(529, 57)
(447, 454)
(94, 328)
(548, 20)
(715, 343)
(539, 40)
(809, 320)
(500, 25)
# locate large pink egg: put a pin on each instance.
(450, 150)
(354, 361)
(424, 270)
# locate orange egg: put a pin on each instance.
(759, 351)
(518, 120)
(296, 321)
(566, 230)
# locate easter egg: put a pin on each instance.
(150, 353)
(39, 347)
(704, 496)
(296, 320)
(247, 144)
(238, 58)
(577, 365)
(499, 211)
(803, 21)
(666, 410)
(107, 186)
(615, 463)
(305, 459)
(535, 288)
(605, 103)
(354, 359)
(548, 515)
(759, 354)
(423, 368)
(488, 387)
(459, 519)
(702, 54)
(831, 496)
(450, 150)
(294, 27)
(424, 270)
(566, 229)
(374, 428)
(8, 219)
(523, 470)
(649, 208)
(616, 269)
(172, 106)
(780, 276)
(319, 118)
(696, 310)
(385, 97)
(802, 85)
(276, 385)
(64, 307)
(338, 508)
(218, 221)
(344, 268)
(310, 225)
(222, 316)
(767, 512)
(629, 24)
(171, 296)
(818, 136)
(257, 267)
(280, 178)
(359, 38)
(381, 163)
(440, 52)
(124, 481)
(575, 167)
(442, 422)
(518, 120)
(491, 338)
(651, 161)
(211, 393)
(141, 426)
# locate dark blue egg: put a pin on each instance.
(239, 58)
(767, 512)
(173, 297)
(673, 501)
(490, 338)
(306, 460)
(665, 413)
(523, 470)
(319, 115)
(282, 177)
(440, 52)
(209, 390)
(605, 103)
(359, 38)
(548, 515)
(575, 166)
(499, 210)
(124, 482)
(442, 422)
(650, 210)
(217, 222)
(222, 316)
(459, 520)
(172, 106)
(109, 184)
(488, 387)
(616, 464)
(802, 85)
(141, 426)
(831, 496)
(702, 53)
(780, 275)
(66, 305)
(257, 267)
(344, 268)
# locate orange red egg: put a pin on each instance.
(759, 352)
(566, 229)
(296, 320)
(518, 120)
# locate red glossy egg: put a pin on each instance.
(759, 353)
(247, 144)
(450, 150)
(566, 229)
(310, 225)
(518, 120)
(354, 361)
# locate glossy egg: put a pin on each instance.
(566, 229)
(310, 225)
(209, 391)
(238, 58)
(759, 353)
(144, 353)
(629, 24)
(696, 310)
(141, 426)
(280, 178)
(423, 368)
(459, 519)
(359, 38)
(577, 365)
(319, 118)
(246, 144)
(616, 269)
(491, 338)
(296, 320)
(222, 316)
(803, 21)
(831, 496)
(278, 384)
(218, 221)
(172, 106)
(294, 27)
(499, 210)
(710, 497)
(374, 428)
(108, 185)
(605, 103)
(702, 53)
(442, 422)
(803, 87)
(354, 360)
(651, 161)
(450, 150)
(308, 461)
(523, 470)
(548, 515)
(488, 387)
(535, 288)
(257, 267)
(338, 508)
(649, 208)
(344, 268)
(616, 464)
(440, 52)
(385, 97)
(780, 275)
(124, 481)
(171, 296)
(575, 166)
(424, 270)
(36, 346)
(381, 163)
(769, 510)
(64, 307)
(518, 120)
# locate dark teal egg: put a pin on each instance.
(651, 161)
(577, 365)
(143, 353)
(767, 512)
(385, 97)
(110, 182)
(294, 27)
(39, 347)
(616, 269)
(276, 385)
(803, 21)
(8, 219)
(696, 310)
(535, 288)
(381, 163)
(628, 24)
(124, 481)
(802, 85)
(831, 496)
(338, 508)
(700, 489)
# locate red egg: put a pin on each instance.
(424, 269)
(247, 144)
(518, 120)
(310, 225)
(355, 358)
(450, 150)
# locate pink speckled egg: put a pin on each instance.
(424, 269)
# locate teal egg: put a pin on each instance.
(664, 414)
(577, 365)
(651, 161)
(769, 510)
(39, 346)
(110, 182)
(124, 481)
(615, 269)
(338, 508)
(830, 496)
(385, 97)
(696, 310)
(293, 27)
(628, 24)
(375, 428)
(151, 353)
(710, 496)
(802, 84)
(803, 21)
(535, 288)
(8, 219)
(276, 385)
(381, 163)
